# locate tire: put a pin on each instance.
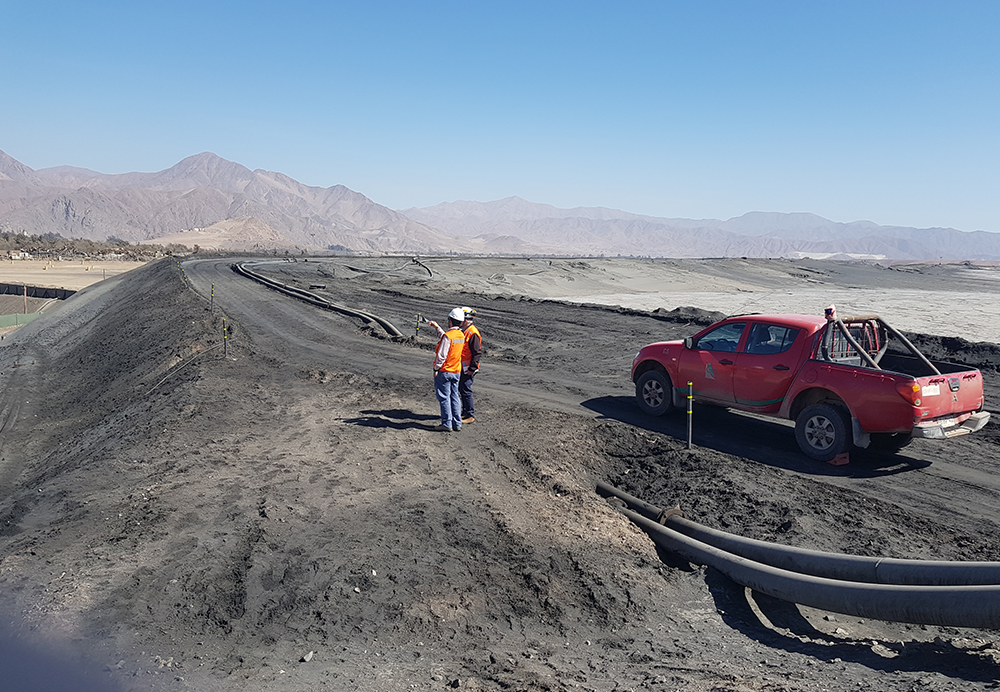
(654, 392)
(823, 431)
(890, 442)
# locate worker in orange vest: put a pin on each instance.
(448, 371)
(471, 355)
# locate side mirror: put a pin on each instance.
(689, 342)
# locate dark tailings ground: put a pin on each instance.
(276, 513)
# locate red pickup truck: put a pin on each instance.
(837, 378)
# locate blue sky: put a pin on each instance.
(884, 111)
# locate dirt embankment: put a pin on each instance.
(276, 513)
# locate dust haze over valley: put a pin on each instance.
(275, 512)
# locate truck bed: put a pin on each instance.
(914, 367)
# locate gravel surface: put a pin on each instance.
(275, 512)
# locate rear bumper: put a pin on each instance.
(943, 428)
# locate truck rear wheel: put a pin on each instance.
(653, 392)
(822, 431)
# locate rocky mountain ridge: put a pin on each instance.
(598, 230)
(196, 193)
(204, 190)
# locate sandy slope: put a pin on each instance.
(235, 235)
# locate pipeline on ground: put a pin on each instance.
(925, 592)
(314, 299)
(413, 261)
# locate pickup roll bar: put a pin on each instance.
(913, 349)
(860, 318)
(840, 323)
(853, 342)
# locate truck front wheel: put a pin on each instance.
(822, 431)
(652, 391)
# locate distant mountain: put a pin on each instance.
(13, 171)
(224, 204)
(800, 226)
(473, 218)
(597, 230)
(66, 176)
(198, 192)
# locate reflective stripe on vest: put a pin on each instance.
(466, 353)
(453, 361)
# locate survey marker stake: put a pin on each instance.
(690, 410)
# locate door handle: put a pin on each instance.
(725, 362)
(781, 367)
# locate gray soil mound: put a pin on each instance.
(688, 315)
(274, 510)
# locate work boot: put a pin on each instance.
(442, 428)
(468, 419)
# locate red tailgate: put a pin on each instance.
(949, 394)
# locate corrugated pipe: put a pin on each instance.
(950, 606)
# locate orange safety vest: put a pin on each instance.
(466, 353)
(453, 361)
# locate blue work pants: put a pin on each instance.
(465, 392)
(446, 388)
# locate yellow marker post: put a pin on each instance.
(225, 338)
(690, 410)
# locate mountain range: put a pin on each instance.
(225, 205)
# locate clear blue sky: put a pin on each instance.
(885, 111)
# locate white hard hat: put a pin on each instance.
(458, 315)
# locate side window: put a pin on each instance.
(724, 338)
(770, 338)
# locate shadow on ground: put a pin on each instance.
(790, 631)
(38, 666)
(396, 419)
(764, 440)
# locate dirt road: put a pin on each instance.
(276, 512)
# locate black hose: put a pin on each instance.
(947, 606)
(316, 300)
(857, 568)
